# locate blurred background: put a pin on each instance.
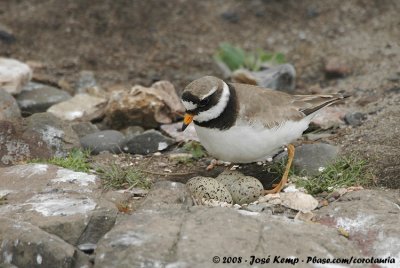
(132, 42)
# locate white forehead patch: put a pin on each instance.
(212, 91)
(217, 109)
(189, 105)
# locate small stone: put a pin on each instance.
(208, 188)
(9, 109)
(6, 34)
(354, 119)
(299, 201)
(148, 142)
(336, 68)
(107, 140)
(81, 106)
(329, 117)
(311, 157)
(180, 156)
(231, 16)
(37, 98)
(14, 75)
(304, 216)
(280, 77)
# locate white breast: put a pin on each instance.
(244, 143)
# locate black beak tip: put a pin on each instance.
(184, 126)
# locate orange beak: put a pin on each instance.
(186, 121)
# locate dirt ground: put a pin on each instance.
(127, 42)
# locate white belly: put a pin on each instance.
(245, 144)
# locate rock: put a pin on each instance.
(85, 82)
(281, 77)
(13, 75)
(106, 140)
(336, 68)
(299, 201)
(148, 142)
(6, 34)
(80, 107)
(309, 158)
(329, 117)
(25, 245)
(13, 148)
(41, 136)
(59, 201)
(37, 98)
(146, 107)
(132, 131)
(208, 188)
(84, 128)
(167, 231)
(49, 131)
(231, 16)
(243, 189)
(370, 217)
(9, 109)
(175, 131)
(354, 119)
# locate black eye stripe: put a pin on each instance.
(204, 102)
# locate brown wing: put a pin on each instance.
(272, 107)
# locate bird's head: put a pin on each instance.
(204, 99)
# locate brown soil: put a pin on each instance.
(128, 42)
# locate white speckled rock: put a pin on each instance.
(208, 188)
(243, 189)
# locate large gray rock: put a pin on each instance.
(371, 219)
(56, 134)
(59, 201)
(9, 109)
(106, 140)
(41, 135)
(37, 98)
(13, 75)
(25, 245)
(80, 107)
(148, 142)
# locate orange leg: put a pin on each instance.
(281, 184)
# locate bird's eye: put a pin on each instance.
(204, 102)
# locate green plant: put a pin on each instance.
(76, 160)
(344, 172)
(116, 177)
(235, 57)
(195, 148)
